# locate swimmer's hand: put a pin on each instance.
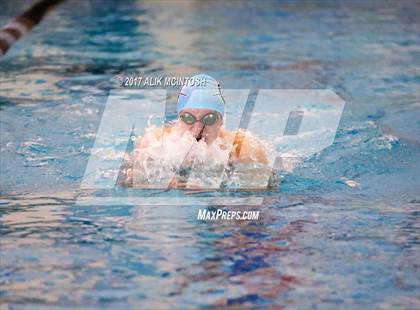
(180, 184)
(174, 184)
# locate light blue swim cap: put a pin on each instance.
(201, 92)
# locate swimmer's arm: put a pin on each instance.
(141, 143)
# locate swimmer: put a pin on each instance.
(201, 114)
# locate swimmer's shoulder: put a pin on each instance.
(238, 137)
(246, 147)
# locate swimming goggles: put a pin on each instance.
(208, 119)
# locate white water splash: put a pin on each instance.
(197, 164)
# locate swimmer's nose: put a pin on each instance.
(196, 129)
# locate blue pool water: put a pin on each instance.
(342, 229)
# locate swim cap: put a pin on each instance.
(201, 92)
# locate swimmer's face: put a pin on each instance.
(199, 130)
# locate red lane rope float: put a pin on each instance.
(19, 26)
